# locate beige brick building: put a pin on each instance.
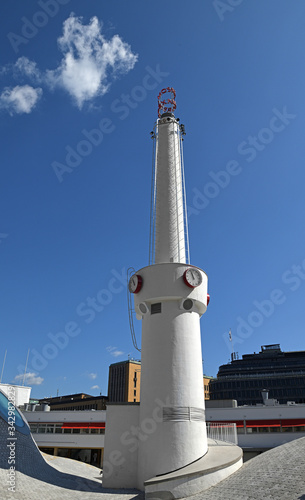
(124, 382)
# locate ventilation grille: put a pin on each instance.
(183, 413)
(156, 308)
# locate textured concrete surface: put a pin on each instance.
(33, 477)
(67, 480)
(278, 474)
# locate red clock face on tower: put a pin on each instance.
(135, 283)
(192, 277)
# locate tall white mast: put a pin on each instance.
(166, 433)
(169, 224)
(170, 296)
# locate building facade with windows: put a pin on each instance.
(259, 427)
(206, 386)
(79, 401)
(124, 382)
(78, 435)
(281, 373)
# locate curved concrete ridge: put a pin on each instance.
(219, 455)
(221, 461)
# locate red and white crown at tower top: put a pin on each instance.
(163, 104)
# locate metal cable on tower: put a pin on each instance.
(186, 229)
(131, 311)
(152, 201)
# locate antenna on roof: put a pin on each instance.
(3, 365)
(26, 365)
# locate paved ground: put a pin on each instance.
(68, 480)
(278, 474)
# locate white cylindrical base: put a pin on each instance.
(172, 431)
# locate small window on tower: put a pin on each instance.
(156, 308)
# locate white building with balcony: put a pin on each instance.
(73, 434)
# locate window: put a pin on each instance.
(63, 452)
(58, 429)
(240, 430)
(135, 392)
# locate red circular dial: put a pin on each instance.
(135, 283)
(192, 277)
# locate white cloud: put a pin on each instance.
(95, 387)
(20, 99)
(30, 379)
(114, 351)
(117, 353)
(88, 59)
(89, 63)
(92, 375)
(25, 67)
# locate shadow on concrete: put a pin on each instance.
(47, 474)
(30, 462)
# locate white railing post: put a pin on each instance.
(222, 432)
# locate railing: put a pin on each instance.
(239, 376)
(222, 432)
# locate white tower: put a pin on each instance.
(170, 296)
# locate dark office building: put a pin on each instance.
(282, 373)
(76, 402)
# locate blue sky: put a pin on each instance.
(78, 97)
